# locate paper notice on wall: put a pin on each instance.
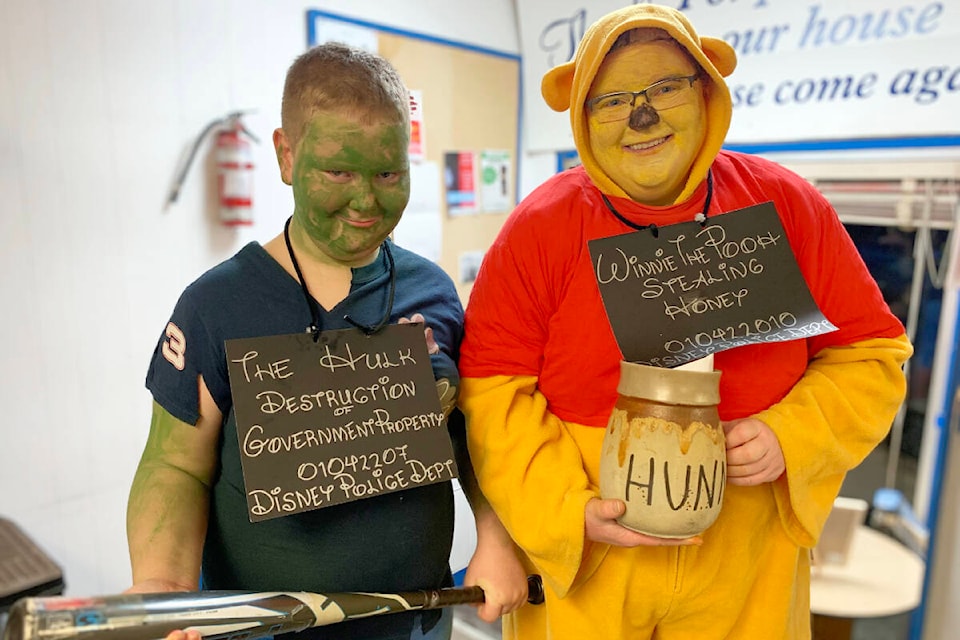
(459, 177)
(417, 150)
(468, 266)
(419, 229)
(495, 181)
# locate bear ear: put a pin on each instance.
(720, 53)
(556, 86)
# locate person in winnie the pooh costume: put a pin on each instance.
(650, 109)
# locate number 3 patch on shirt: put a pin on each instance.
(175, 346)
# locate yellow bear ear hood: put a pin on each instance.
(567, 85)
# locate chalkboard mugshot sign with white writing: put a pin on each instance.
(695, 290)
(347, 417)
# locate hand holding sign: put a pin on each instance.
(432, 347)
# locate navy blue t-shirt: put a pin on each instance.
(394, 542)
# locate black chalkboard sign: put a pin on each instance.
(348, 417)
(695, 290)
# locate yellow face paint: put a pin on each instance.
(650, 160)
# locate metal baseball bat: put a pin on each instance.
(217, 615)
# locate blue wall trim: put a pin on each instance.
(313, 14)
(848, 144)
(563, 156)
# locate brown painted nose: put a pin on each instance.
(643, 116)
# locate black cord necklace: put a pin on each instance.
(314, 327)
(700, 218)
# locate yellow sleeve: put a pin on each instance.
(837, 413)
(531, 471)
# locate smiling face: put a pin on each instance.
(648, 157)
(351, 183)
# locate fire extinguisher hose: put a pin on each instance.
(232, 118)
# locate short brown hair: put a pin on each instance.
(336, 77)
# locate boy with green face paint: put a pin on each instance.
(343, 149)
(351, 183)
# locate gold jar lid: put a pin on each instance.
(669, 386)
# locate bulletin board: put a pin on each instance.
(471, 103)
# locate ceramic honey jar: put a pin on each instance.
(664, 452)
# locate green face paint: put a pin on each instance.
(351, 183)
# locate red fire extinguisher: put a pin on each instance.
(234, 164)
(234, 174)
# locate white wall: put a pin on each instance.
(99, 101)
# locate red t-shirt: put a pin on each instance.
(535, 308)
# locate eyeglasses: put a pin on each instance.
(670, 92)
